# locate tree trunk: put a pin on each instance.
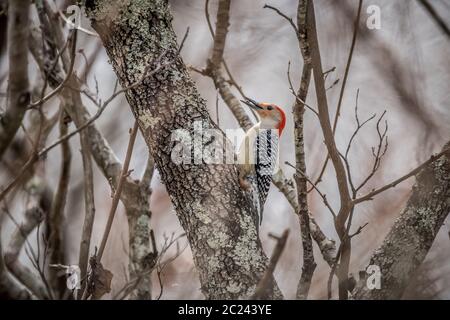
(217, 216)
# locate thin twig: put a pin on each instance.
(291, 22)
(116, 197)
(73, 37)
(299, 99)
(373, 193)
(323, 196)
(433, 13)
(341, 94)
(186, 34)
(347, 67)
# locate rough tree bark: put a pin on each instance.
(18, 87)
(409, 240)
(309, 265)
(214, 212)
(9, 289)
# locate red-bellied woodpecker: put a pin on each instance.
(258, 153)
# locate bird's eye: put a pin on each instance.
(269, 108)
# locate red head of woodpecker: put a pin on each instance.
(270, 115)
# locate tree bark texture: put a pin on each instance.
(309, 264)
(18, 86)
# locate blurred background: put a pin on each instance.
(403, 68)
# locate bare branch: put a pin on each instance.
(379, 154)
(89, 202)
(394, 183)
(73, 39)
(347, 67)
(222, 24)
(186, 34)
(214, 69)
(358, 231)
(18, 86)
(300, 98)
(325, 124)
(309, 264)
(323, 196)
(291, 22)
(287, 187)
(264, 284)
(341, 94)
(117, 192)
(148, 172)
(56, 215)
(435, 16)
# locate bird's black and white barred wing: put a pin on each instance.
(266, 151)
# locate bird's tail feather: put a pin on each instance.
(256, 200)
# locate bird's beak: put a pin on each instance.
(252, 104)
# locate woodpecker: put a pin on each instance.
(258, 153)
